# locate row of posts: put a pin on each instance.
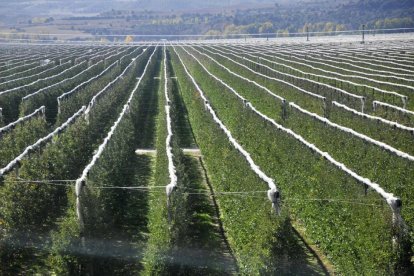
(308, 34)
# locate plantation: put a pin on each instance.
(196, 158)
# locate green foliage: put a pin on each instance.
(252, 229)
(82, 97)
(349, 226)
(66, 242)
(107, 211)
(48, 97)
(131, 231)
(361, 90)
(394, 115)
(13, 142)
(28, 80)
(397, 138)
(64, 158)
(269, 102)
(10, 102)
(168, 227)
(159, 241)
(394, 173)
(182, 239)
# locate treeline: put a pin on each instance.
(278, 19)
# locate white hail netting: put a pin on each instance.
(389, 197)
(351, 56)
(350, 76)
(325, 71)
(66, 94)
(20, 55)
(104, 54)
(17, 67)
(389, 57)
(15, 162)
(62, 81)
(402, 97)
(123, 53)
(130, 54)
(374, 118)
(362, 99)
(33, 75)
(273, 192)
(287, 83)
(70, 56)
(19, 60)
(101, 57)
(82, 57)
(390, 61)
(120, 76)
(39, 80)
(391, 73)
(241, 77)
(82, 179)
(38, 111)
(88, 55)
(343, 59)
(394, 202)
(354, 133)
(20, 72)
(402, 110)
(292, 55)
(168, 143)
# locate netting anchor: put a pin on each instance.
(397, 222)
(78, 192)
(284, 109)
(362, 104)
(404, 100)
(169, 189)
(273, 195)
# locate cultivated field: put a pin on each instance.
(207, 158)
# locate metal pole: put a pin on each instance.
(307, 33)
(363, 33)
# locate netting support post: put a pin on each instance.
(58, 111)
(363, 34)
(362, 104)
(284, 109)
(397, 223)
(273, 195)
(17, 166)
(169, 189)
(78, 191)
(404, 100)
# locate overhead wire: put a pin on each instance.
(192, 191)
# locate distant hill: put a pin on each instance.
(18, 10)
(212, 17)
(96, 6)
